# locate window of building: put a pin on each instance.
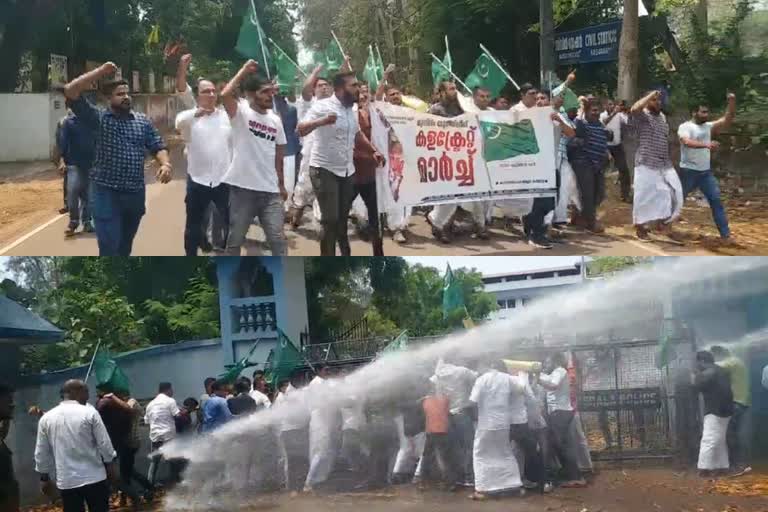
(492, 280)
(526, 301)
(572, 272)
(502, 304)
(543, 275)
(511, 304)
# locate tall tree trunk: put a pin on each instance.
(702, 15)
(547, 40)
(629, 52)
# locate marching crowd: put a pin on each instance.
(255, 154)
(500, 429)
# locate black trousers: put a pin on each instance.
(95, 495)
(441, 459)
(199, 197)
(368, 192)
(335, 195)
(534, 221)
(559, 429)
(591, 181)
(526, 439)
(620, 160)
(126, 458)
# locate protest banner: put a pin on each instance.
(476, 156)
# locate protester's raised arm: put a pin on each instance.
(640, 105)
(75, 88)
(229, 94)
(308, 90)
(182, 71)
(727, 119)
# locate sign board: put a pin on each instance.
(592, 44)
(623, 399)
(57, 71)
(480, 156)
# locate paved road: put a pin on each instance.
(162, 234)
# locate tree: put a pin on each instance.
(605, 265)
(629, 52)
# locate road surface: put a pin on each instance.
(162, 234)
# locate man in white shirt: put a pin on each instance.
(323, 430)
(315, 88)
(353, 424)
(255, 176)
(258, 394)
(73, 441)
(337, 130)
(696, 146)
(555, 380)
(495, 467)
(294, 435)
(456, 383)
(614, 118)
(207, 134)
(160, 415)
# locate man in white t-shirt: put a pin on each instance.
(315, 88)
(555, 380)
(335, 125)
(206, 132)
(696, 145)
(160, 415)
(255, 176)
(614, 118)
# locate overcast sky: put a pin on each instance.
(494, 264)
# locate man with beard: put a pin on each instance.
(696, 146)
(442, 216)
(122, 139)
(207, 133)
(365, 172)
(337, 131)
(315, 88)
(255, 175)
(658, 192)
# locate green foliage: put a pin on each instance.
(606, 265)
(196, 316)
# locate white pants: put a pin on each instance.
(442, 214)
(569, 192)
(303, 194)
(658, 195)
(495, 466)
(399, 218)
(713, 453)
(289, 173)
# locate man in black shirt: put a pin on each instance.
(9, 486)
(714, 384)
(242, 404)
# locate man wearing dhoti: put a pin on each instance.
(714, 384)
(495, 467)
(658, 192)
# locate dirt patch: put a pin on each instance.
(29, 202)
(614, 490)
(747, 213)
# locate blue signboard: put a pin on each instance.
(592, 44)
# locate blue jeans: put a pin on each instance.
(707, 183)
(77, 190)
(117, 214)
(244, 206)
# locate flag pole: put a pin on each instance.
(90, 366)
(490, 56)
(255, 21)
(447, 47)
(378, 53)
(343, 53)
(458, 80)
(287, 57)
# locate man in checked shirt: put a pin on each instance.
(117, 180)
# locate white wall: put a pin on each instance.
(27, 126)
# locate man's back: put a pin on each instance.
(242, 404)
(117, 420)
(72, 440)
(159, 415)
(215, 413)
(715, 386)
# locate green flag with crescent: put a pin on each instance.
(503, 141)
(487, 74)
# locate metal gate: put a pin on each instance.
(627, 405)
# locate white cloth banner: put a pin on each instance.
(474, 157)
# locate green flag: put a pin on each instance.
(504, 141)
(334, 57)
(439, 73)
(283, 360)
(251, 43)
(233, 371)
(486, 74)
(399, 344)
(285, 71)
(665, 344)
(379, 64)
(453, 295)
(371, 71)
(570, 100)
(108, 374)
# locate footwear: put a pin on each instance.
(295, 215)
(596, 228)
(88, 227)
(206, 246)
(477, 496)
(642, 234)
(70, 231)
(540, 242)
(548, 487)
(63, 210)
(399, 237)
(441, 235)
(483, 234)
(527, 484)
(574, 484)
(578, 221)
